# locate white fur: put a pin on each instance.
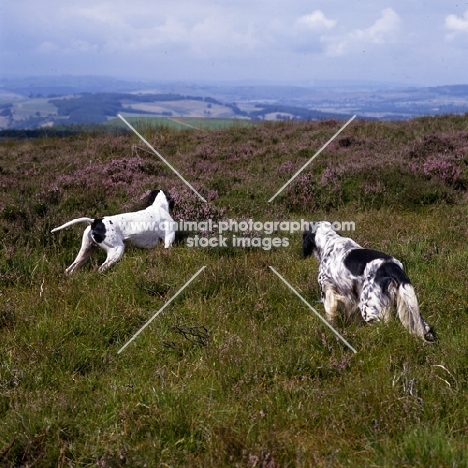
(143, 229)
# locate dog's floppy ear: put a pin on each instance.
(308, 243)
(151, 197)
(170, 200)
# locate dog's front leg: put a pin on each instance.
(330, 303)
(114, 254)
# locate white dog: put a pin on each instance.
(142, 228)
(352, 278)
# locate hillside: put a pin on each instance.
(40, 112)
(236, 371)
(44, 103)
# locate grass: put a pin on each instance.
(236, 371)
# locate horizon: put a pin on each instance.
(74, 80)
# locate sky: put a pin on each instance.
(409, 42)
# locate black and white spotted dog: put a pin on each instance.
(352, 277)
(142, 228)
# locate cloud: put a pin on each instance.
(456, 25)
(101, 29)
(301, 34)
(215, 35)
(380, 32)
(315, 21)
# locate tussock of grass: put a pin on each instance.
(268, 385)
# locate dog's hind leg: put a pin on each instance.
(87, 247)
(114, 254)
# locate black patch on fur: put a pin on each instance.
(357, 259)
(308, 243)
(98, 230)
(390, 272)
(151, 197)
(355, 289)
(110, 222)
(430, 335)
(154, 193)
(170, 200)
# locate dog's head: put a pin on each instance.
(161, 198)
(313, 240)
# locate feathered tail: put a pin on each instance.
(408, 312)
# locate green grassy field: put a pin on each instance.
(179, 123)
(236, 371)
(33, 106)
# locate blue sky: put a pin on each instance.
(285, 42)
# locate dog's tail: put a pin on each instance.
(73, 221)
(408, 309)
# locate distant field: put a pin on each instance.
(20, 110)
(179, 123)
(25, 108)
(187, 108)
(96, 108)
(78, 110)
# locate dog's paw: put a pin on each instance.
(430, 336)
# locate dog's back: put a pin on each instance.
(142, 228)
